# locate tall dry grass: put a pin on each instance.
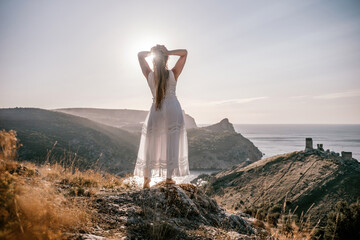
(9, 144)
(292, 227)
(35, 210)
(284, 224)
(41, 202)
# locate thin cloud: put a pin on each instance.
(345, 94)
(202, 103)
(299, 97)
(238, 100)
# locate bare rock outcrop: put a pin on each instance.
(222, 126)
(167, 212)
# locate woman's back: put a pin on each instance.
(170, 86)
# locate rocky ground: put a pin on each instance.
(164, 212)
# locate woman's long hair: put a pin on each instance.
(160, 75)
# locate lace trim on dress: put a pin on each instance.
(161, 169)
(162, 163)
(159, 130)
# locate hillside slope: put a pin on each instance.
(302, 180)
(39, 129)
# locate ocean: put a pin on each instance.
(273, 139)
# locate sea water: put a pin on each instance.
(273, 139)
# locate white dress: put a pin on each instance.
(163, 149)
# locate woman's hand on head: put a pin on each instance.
(163, 49)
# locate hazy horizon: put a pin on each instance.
(199, 124)
(253, 62)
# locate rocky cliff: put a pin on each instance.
(307, 182)
(219, 147)
(222, 126)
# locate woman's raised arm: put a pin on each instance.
(177, 69)
(143, 63)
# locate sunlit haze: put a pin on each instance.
(249, 61)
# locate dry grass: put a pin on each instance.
(292, 227)
(35, 210)
(40, 202)
(290, 230)
(80, 182)
(9, 144)
(286, 225)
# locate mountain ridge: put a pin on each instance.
(128, 119)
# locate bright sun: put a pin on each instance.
(143, 43)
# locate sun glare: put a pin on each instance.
(142, 44)
(150, 58)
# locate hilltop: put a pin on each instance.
(222, 126)
(305, 182)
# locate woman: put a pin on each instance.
(163, 149)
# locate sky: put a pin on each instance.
(260, 62)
